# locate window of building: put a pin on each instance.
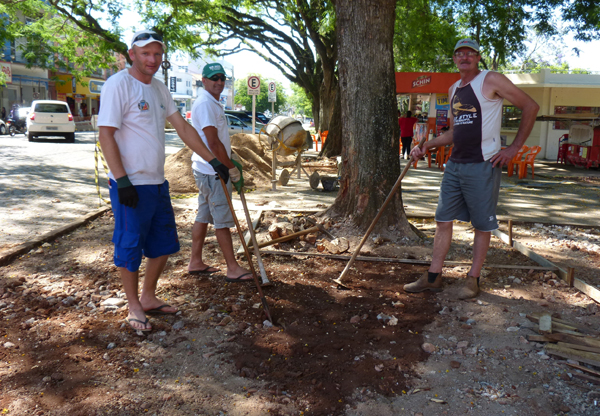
(178, 79)
(511, 117)
(564, 125)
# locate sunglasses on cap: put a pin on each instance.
(146, 36)
(218, 77)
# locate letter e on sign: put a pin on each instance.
(253, 85)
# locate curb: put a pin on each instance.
(9, 255)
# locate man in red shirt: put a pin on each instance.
(406, 132)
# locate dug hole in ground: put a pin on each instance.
(369, 350)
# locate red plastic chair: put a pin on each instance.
(518, 157)
(529, 160)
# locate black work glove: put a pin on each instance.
(128, 196)
(221, 169)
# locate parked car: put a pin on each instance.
(260, 117)
(245, 118)
(50, 118)
(238, 126)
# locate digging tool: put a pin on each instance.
(263, 273)
(239, 229)
(321, 228)
(379, 214)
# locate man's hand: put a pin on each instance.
(128, 196)
(237, 179)
(504, 156)
(417, 152)
(220, 168)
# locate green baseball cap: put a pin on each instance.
(212, 69)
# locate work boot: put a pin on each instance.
(470, 288)
(423, 284)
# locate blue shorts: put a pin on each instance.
(470, 193)
(148, 230)
(213, 207)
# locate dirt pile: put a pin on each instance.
(252, 151)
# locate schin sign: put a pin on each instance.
(421, 81)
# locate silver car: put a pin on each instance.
(238, 126)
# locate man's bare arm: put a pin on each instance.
(111, 151)
(190, 136)
(497, 84)
(216, 146)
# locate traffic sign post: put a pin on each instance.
(253, 90)
(272, 96)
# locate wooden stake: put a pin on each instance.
(510, 233)
(570, 276)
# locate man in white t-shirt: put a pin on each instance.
(131, 120)
(209, 119)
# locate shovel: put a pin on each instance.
(379, 214)
(237, 225)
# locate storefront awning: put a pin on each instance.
(68, 86)
(181, 96)
(425, 82)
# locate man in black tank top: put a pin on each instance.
(471, 182)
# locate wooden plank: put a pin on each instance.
(545, 325)
(404, 261)
(583, 356)
(580, 340)
(558, 323)
(582, 368)
(539, 338)
(579, 347)
(589, 379)
(530, 253)
(589, 290)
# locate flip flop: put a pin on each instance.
(239, 278)
(204, 271)
(141, 322)
(159, 310)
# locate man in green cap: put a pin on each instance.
(208, 117)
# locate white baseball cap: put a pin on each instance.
(467, 43)
(142, 38)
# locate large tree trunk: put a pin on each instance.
(370, 162)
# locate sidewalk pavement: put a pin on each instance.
(551, 198)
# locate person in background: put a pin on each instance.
(208, 117)
(132, 135)
(406, 132)
(471, 181)
(3, 115)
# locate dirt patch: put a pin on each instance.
(252, 151)
(331, 351)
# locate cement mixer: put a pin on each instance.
(286, 136)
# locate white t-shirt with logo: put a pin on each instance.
(207, 111)
(138, 111)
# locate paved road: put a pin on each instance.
(48, 183)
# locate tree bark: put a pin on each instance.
(369, 120)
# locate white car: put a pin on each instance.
(50, 118)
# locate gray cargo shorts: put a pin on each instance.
(212, 202)
(469, 193)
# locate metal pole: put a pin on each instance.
(253, 113)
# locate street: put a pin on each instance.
(48, 183)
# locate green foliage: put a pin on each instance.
(52, 37)
(262, 103)
(424, 36)
(300, 102)
(584, 16)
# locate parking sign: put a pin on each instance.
(272, 92)
(253, 85)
